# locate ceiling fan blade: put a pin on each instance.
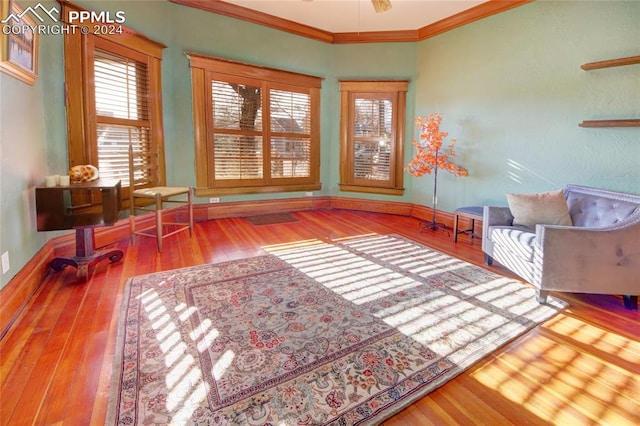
(381, 5)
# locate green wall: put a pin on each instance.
(28, 123)
(512, 92)
(509, 87)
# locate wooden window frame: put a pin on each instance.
(79, 93)
(396, 91)
(204, 70)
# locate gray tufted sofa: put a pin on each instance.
(599, 254)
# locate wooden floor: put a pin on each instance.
(580, 367)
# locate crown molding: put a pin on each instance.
(476, 13)
(260, 18)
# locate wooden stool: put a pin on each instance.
(161, 195)
(472, 213)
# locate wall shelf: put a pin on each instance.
(611, 123)
(631, 122)
(611, 63)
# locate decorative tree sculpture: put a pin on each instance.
(430, 157)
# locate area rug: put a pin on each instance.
(339, 333)
(271, 219)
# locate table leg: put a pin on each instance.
(86, 255)
(455, 228)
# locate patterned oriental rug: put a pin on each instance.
(338, 333)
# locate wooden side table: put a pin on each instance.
(55, 212)
(473, 213)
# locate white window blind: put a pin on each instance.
(290, 134)
(237, 139)
(372, 142)
(245, 149)
(122, 118)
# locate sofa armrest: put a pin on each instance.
(497, 216)
(588, 260)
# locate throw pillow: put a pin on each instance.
(546, 208)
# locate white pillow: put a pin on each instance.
(546, 208)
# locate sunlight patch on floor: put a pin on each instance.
(351, 269)
(184, 381)
(563, 385)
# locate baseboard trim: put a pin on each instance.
(16, 294)
(251, 208)
(23, 286)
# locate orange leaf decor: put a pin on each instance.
(430, 155)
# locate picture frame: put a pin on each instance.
(19, 43)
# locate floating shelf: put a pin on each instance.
(630, 122)
(611, 123)
(611, 63)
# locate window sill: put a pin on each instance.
(206, 192)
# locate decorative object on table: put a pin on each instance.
(430, 156)
(56, 180)
(18, 43)
(64, 180)
(302, 336)
(84, 173)
(51, 181)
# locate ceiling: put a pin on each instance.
(341, 16)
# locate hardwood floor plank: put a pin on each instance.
(510, 411)
(533, 397)
(476, 411)
(76, 323)
(609, 347)
(575, 381)
(40, 353)
(580, 367)
(75, 380)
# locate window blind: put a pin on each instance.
(122, 118)
(237, 122)
(372, 139)
(240, 134)
(290, 134)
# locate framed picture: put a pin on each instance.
(19, 57)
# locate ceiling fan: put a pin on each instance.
(381, 5)
(378, 5)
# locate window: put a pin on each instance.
(121, 89)
(114, 99)
(256, 129)
(372, 136)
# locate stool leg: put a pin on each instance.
(132, 228)
(190, 200)
(159, 222)
(473, 228)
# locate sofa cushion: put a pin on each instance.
(597, 212)
(547, 208)
(518, 239)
